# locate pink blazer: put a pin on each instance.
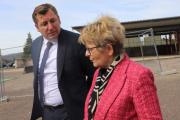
(129, 95)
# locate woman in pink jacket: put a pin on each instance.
(121, 88)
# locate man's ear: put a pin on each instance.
(37, 28)
(59, 20)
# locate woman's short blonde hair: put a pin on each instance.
(105, 30)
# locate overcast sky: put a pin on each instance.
(16, 21)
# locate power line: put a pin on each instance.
(15, 47)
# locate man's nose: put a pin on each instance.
(50, 25)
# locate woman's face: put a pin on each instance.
(100, 56)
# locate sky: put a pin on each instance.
(16, 16)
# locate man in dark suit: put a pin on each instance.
(60, 92)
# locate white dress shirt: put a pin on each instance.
(51, 91)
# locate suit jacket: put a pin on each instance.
(129, 95)
(72, 70)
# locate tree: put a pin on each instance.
(27, 47)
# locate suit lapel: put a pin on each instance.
(37, 54)
(112, 90)
(61, 53)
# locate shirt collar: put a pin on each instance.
(45, 41)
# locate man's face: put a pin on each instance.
(48, 25)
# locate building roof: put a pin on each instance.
(159, 25)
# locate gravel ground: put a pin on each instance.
(18, 89)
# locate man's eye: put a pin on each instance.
(44, 23)
(52, 21)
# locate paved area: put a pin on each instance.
(168, 91)
(18, 88)
(167, 80)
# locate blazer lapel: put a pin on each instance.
(112, 90)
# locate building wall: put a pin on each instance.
(19, 63)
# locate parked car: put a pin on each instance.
(2, 66)
(11, 64)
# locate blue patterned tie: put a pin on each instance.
(41, 72)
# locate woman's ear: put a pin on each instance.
(110, 49)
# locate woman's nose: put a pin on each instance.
(87, 54)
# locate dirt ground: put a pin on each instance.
(18, 89)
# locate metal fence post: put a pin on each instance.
(2, 87)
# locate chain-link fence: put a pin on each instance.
(2, 87)
(10, 58)
(144, 45)
(1, 82)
